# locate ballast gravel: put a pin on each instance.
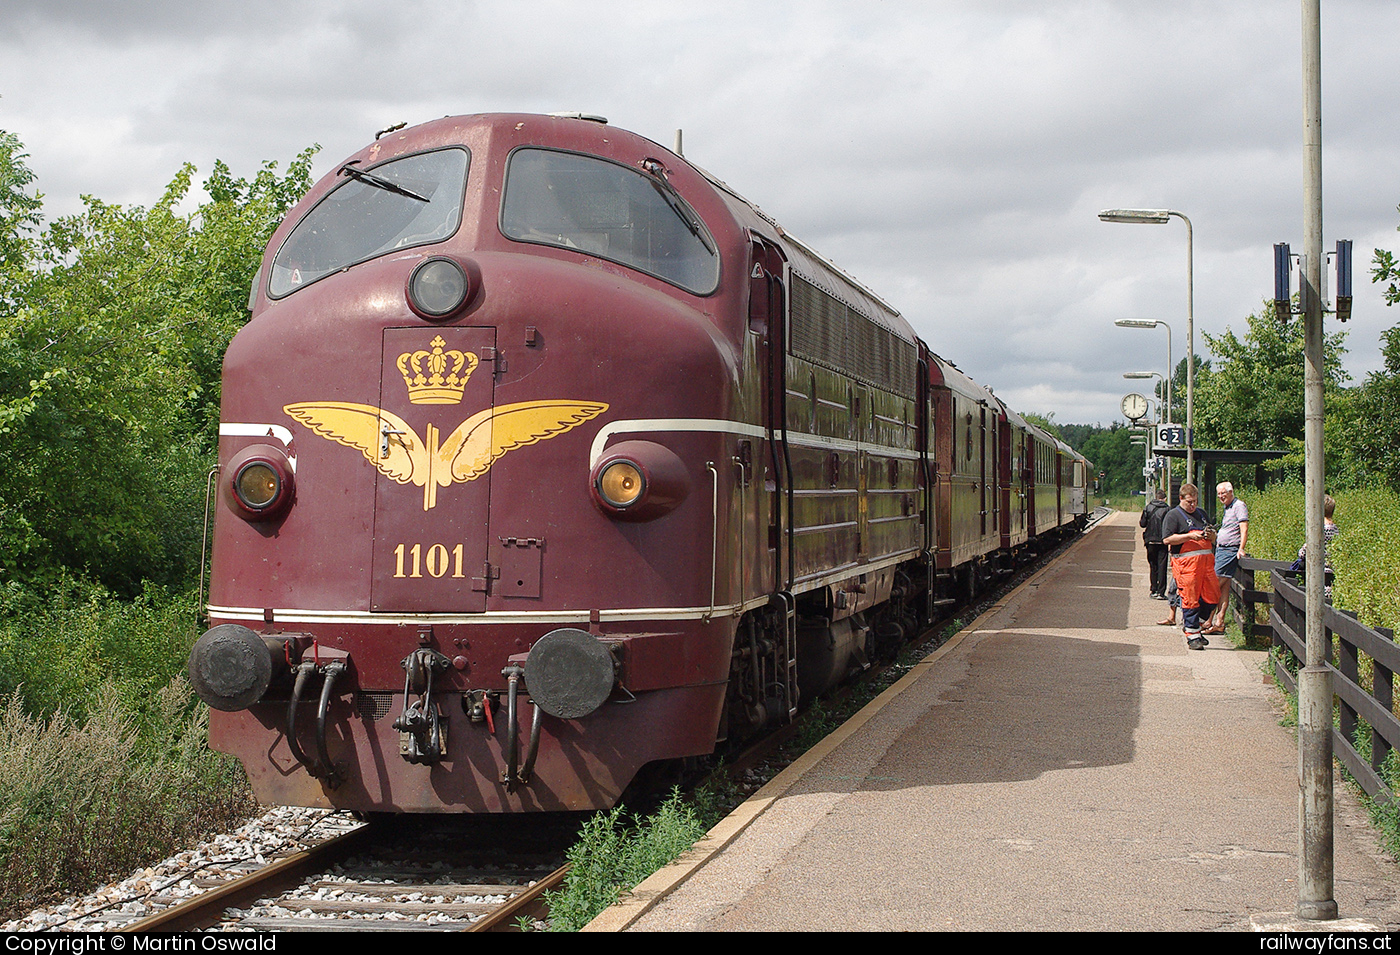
(188, 873)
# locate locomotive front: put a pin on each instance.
(469, 543)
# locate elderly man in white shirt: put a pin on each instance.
(1229, 547)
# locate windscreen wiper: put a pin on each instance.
(379, 182)
(673, 199)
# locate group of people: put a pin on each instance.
(1202, 559)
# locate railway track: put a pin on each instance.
(394, 874)
(442, 873)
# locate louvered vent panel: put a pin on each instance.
(827, 331)
(806, 320)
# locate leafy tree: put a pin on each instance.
(19, 219)
(1045, 422)
(1075, 435)
(109, 373)
(1177, 411)
(1384, 268)
(1363, 429)
(1252, 396)
(1112, 452)
(1363, 425)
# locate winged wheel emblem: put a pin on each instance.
(387, 441)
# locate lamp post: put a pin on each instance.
(1316, 886)
(1142, 442)
(1161, 217)
(1171, 369)
(1161, 415)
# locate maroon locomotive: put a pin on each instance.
(545, 457)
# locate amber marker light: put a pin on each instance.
(256, 485)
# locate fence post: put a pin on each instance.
(1382, 688)
(1285, 614)
(1244, 610)
(1348, 668)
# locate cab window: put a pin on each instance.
(615, 212)
(405, 202)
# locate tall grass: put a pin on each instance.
(613, 854)
(1365, 554)
(104, 754)
(86, 800)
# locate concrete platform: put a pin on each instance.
(1062, 764)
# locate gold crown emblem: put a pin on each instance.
(429, 385)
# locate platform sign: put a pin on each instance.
(1171, 436)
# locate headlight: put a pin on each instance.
(621, 484)
(259, 485)
(437, 287)
(256, 485)
(639, 481)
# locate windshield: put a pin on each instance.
(405, 202)
(609, 210)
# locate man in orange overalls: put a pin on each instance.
(1190, 540)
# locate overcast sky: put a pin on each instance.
(951, 155)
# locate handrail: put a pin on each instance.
(1351, 638)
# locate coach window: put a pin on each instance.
(405, 202)
(615, 212)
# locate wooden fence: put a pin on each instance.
(1353, 648)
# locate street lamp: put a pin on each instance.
(1147, 455)
(1160, 217)
(1171, 369)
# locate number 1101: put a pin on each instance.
(436, 561)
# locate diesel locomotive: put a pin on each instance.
(545, 456)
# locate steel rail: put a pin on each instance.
(204, 910)
(529, 904)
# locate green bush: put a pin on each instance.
(612, 856)
(57, 649)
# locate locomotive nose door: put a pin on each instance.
(430, 514)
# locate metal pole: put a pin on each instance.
(1167, 415)
(1147, 462)
(1190, 351)
(1315, 870)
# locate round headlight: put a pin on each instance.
(256, 485)
(638, 481)
(437, 287)
(621, 483)
(260, 484)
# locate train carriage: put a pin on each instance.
(968, 425)
(1044, 469)
(1073, 486)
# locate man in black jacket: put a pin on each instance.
(1151, 522)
